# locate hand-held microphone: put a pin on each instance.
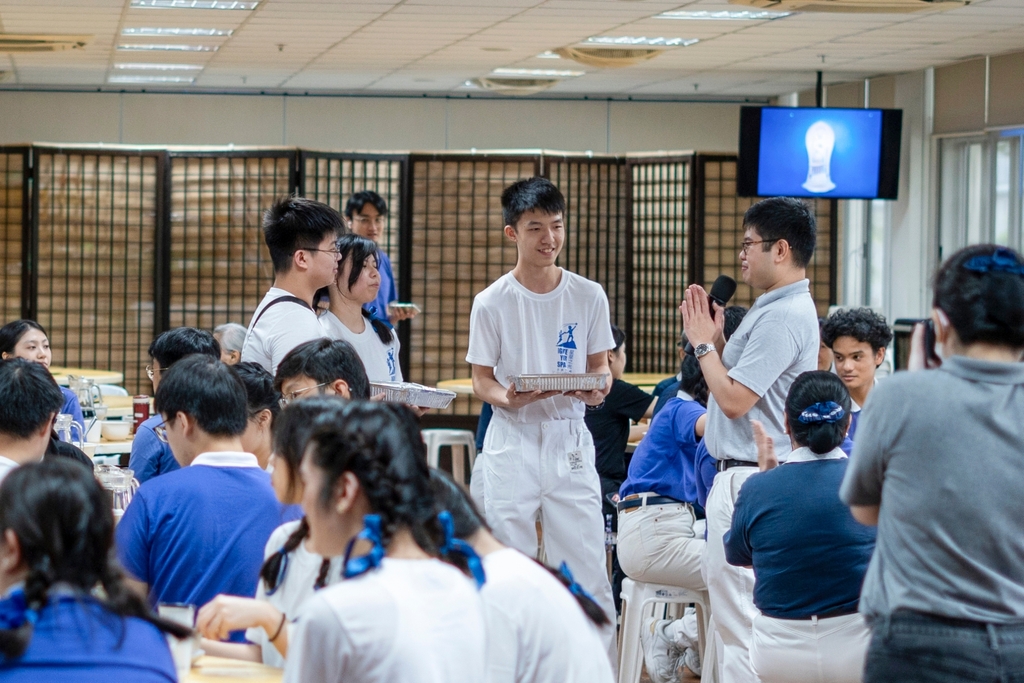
(721, 291)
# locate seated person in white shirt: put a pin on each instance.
(323, 366)
(199, 531)
(541, 625)
(348, 318)
(30, 402)
(400, 614)
(300, 234)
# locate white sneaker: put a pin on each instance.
(661, 656)
(691, 660)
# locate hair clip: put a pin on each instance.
(14, 611)
(574, 587)
(371, 560)
(828, 412)
(457, 545)
(1001, 260)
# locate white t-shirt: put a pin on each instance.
(536, 631)
(284, 327)
(516, 331)
(414, 621)
(6, 467)
(297, 585)
(379, 359)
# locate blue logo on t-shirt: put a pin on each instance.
(391, 365)
(566, 347)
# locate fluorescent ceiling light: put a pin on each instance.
(151, 79)
(549, 55)
(156, 31)
(722, 15)
(192, 4)
(640, 40)
(537, 72)
(158, 67)
(171, 47)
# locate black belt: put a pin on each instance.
(723, 465)
(651, 500)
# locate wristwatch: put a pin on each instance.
(701, 350)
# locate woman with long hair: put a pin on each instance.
(28, 339)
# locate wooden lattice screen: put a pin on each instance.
(13, 210)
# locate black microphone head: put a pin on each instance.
(722, 290)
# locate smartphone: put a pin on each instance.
(903, 330)
(929, 342)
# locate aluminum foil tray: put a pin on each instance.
(413, 394)
(559, 382)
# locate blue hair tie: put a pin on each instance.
(371, 560)
(1001, 260)
(14, 611)
(282, 570)
(828, 413)
(574, 587)
(457, 545)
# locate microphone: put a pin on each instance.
(721, 291)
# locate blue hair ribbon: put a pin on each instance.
(14, 611)
(457, 545)
(574, 587)
(1002, 260)
(354, 566)
(828, 412)
(281, 571)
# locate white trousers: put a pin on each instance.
(548, 467)
(657, 544)
(809, 651)
(731, 589)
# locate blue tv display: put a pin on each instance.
(819, 152)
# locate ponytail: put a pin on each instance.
(276, 566)
(583, 598)
(383, 331)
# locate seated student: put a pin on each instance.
(200, 530)
(808, 553)
(27, 339)
(300, 234)
(857, 338)
(356, 285)
(151, 456)
(264, 403)
(30, 402)
(290, 572)
(400, 614)
(541, 628)
(231, 337)
(66, 613)
(321, 366)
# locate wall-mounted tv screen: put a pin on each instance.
(819, 152)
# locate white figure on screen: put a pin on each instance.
(820, 140)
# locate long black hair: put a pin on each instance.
(815, 429)
(260, 393)
(981, 291)
(356, 250)
(65, 528)
(12, 332)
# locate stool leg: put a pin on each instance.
(459, 464)
(630, 650)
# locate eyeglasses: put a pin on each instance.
(150, 372)
(747, 244)
(161, 433)
(366, 220)
(288, 398)
(337, 254)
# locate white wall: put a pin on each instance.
(366, 123)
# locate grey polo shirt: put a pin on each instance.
(942, 451)
(777, 340)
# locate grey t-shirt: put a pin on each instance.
(942, 451)
(777, 340)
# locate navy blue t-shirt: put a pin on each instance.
(809, 554)
(664, 461)
(198, 532)
(150, 456)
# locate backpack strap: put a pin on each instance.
(279, 300)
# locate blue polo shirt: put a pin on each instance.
(77, 639)
(388, 292)
(664, 461)
(150, 456)
(200, 531)
(71, 406)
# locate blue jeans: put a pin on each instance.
(911, 647)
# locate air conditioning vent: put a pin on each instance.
(854, 6)
(609, 57)
(515, 86)
(25, 42)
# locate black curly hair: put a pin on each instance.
(862, 324)
(982, 306)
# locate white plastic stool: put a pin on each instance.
(461, 441)
(639, 602)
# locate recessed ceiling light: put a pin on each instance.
(158, 31)
(722, 15)
(537, 72)
(151, 79)
(158, 67)
(192, 4)
(640, 40)
(171, 47)
(549, 55)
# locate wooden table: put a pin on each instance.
(98, 376)
(463, 385)
(644, 380)
(209, 669)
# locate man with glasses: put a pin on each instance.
(301, 235)
(321, 366)
(366, 215)
(748, 379)
(150, 455)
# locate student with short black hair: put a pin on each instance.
(300, 234)
(321, 366)
(857, 338)
(263, 402)
(30, 402)
(66, 613)
(199, 531)
(150, 455)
